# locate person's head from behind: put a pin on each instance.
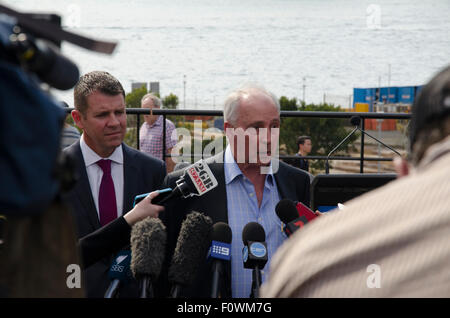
(99, 101)
(252, 122)
(150, 101)
(304, 145)
(430, 121)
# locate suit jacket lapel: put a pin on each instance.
(285, 188)
(218, 197)
(83, 190)
(130, 177)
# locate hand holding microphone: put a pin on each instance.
(145, 208)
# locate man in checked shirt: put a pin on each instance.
(151, 132)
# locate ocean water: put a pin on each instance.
(312, 49)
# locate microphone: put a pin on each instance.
(148, 241)
(43, 58)
(355, 121)
(197, 180)
(254, 253)
(287, 212)
(219, 252)
(119, 273)
(191, 248)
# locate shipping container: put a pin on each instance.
(389, 95)
(406, 94)
(364, 96)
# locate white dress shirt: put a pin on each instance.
(95, 173)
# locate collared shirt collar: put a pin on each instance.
(158, 122)
(232, 170)
(91, 157)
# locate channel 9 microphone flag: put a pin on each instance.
(220, 255)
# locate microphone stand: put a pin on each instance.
(146, 288)
(256, 283)
(217, 273)
(378, 141)
(112, 290)
(175, 292)
(327, 167)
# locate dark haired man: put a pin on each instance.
(110, 173)
(304, 148)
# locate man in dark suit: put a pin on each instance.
(110, 174)
(251, 182)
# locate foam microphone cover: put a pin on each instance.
(191, 249)
(148, 241)
(254, 232)
(221, 232)
(286, 210)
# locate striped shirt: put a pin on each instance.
(242, 209)
(151, 137)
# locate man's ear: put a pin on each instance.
(401, 167)
(76, 115)
(226, 125)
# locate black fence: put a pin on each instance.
(300, 114)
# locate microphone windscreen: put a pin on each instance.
(221, 232)
(191, 249)
(254, 232)
(148, 241)
(286, 210)
(54, 68)
(355, 120)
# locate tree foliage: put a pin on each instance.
(325, 133)
(133, 99)
(170, 101)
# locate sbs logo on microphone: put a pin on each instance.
(117, 268)
(258, 249)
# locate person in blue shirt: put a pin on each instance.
(251, 182)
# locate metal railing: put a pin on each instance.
(299, 114)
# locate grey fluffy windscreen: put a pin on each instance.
(148, 242)
(191, 249)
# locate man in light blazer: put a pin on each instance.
(390, 242)
(99, 101)
(250, 184)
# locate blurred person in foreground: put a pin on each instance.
(391, 242)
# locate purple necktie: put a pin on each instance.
(107, 196)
